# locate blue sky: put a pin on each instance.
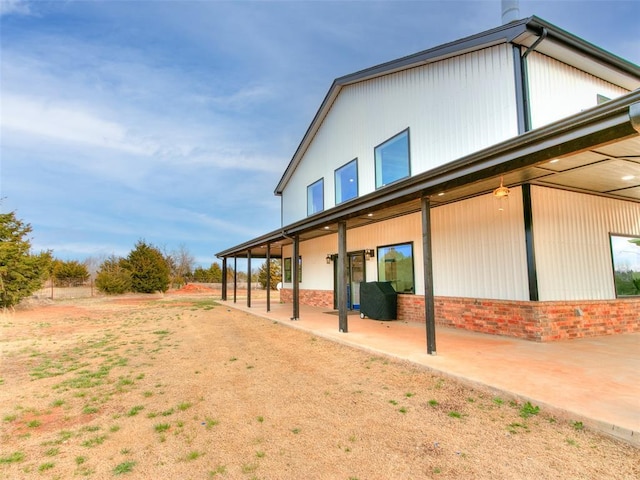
(172, 121)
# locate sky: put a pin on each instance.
(172, 121)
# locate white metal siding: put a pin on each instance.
(557, 90)
(571, 235)
(453, 107)
(478, 250)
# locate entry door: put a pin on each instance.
(355, 275)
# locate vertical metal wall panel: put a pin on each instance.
(558, 90)
(453, 107)
(571, 235)
(479, 250)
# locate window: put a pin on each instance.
(625, 255)
(347, 182)
(395, 265)
(287, 270)
(392, 160)
(315, 197)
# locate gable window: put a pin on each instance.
(315, 197)
(395, 265)
(392, 159)
(346, 178)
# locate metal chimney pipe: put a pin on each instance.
(510, 11)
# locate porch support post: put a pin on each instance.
(342, 277)
(528, 238)
(268, 277)
(429, 298)
(224, 278)
(249, 278)
(295, 267)
(235, 279)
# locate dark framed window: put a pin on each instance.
(625, 255)
(346, 179)
(395, 265)
(392, 159)
(315, 197)
(288, 278)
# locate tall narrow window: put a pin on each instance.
(392, 160)
(315, 197)
(347, 182)
(288, 277)
(395, 265)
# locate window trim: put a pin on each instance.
(406, 132)
(319, 182)
(413, 267)
(287, 271)
(335, 180)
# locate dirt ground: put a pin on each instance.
(177, 387)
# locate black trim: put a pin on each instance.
(427, 264)
(529, 244)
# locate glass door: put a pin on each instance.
(355, 275)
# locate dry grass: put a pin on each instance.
(179, 388)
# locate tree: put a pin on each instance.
(70, 273)
(275, 273)
(181, 265)
(21, 272)
(113, 278)
(211, 275)
(149, 269)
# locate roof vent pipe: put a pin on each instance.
(510, 11)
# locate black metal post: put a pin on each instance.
(429, 298)
(249, 278)
(343, 323)
(295, 266)
(235, 279)
(224, 279)
(268, 277)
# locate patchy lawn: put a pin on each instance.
(178, 387)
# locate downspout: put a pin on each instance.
(527, 203)
(525, 79)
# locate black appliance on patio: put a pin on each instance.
(378, 300)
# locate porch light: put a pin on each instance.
(369, 254)
(329, 258)
(501, 191)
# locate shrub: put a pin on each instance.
(113, 278)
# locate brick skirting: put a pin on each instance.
(537, 321)
(313, 298)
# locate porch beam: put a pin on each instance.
(427, 256)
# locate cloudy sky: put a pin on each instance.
(172, 121)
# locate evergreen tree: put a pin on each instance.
(149, 269)
(21, 272)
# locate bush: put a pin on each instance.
(113, 278)
(70, 273)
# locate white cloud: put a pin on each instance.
(19, 7)
(66, 123)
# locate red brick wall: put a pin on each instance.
(313, 298)
(538, 321)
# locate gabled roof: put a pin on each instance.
(558, 44)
